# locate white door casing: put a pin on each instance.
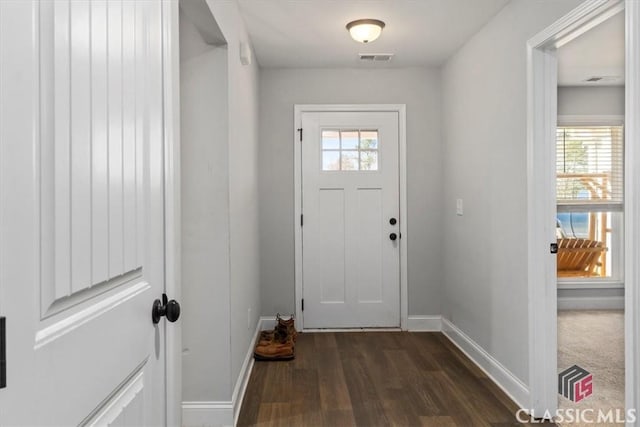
(541, 117)
(351, 267)
(173, 200)
(82, 219)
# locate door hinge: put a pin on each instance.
(300, 130)
(302, 304)
(301, 220)
(553, 248)
(3, 353)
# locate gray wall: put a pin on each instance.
(591, 101)
(243, 188)
(484, 161)
(244, 260)
(205, 216)
(221, 261)
(419, 89)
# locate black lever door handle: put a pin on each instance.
(170, 309)
(393, 236)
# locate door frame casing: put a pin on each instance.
(172, 203)
(299, 110)
(542, 73)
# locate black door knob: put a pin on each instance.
(393, 236)
(393, 221)
(171, 309)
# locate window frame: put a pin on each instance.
(357, 150)
(617, 243)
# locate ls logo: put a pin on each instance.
(575, 383)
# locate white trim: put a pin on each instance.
(207, 413)
(541, 265)
(424, 323)
(404, 254)
(632, 206)
(217, 413)
(541, 124)
(269, 322)
(591, 303)
(245, 373)
(171, 122)
(501, 376)
(595, 120)
(297, 171)
(332, 330)
(584, 17)
(414, 324)
(596, 284)
(241, 384)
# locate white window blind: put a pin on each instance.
(590, 168)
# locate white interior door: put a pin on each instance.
(351, 228)
(82, 216)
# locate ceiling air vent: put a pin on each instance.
(376, 57)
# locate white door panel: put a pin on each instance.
(351, 268)
(82, 218)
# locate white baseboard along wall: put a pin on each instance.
(225, 413)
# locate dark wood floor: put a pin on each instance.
(374, 379)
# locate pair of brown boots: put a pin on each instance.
(278, 344)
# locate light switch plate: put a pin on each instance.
(459, 207)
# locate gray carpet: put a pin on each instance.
(594, 340)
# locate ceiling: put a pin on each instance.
(597, 53)
(312, 33)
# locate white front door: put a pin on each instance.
(82, 212)
(351, 229)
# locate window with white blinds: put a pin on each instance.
(590, 168)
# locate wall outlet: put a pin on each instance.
(249, 318)
(459, 207)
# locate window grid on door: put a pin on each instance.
(349, 150)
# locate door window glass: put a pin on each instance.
(350, 150)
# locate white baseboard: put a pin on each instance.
(245, 373)
(207, 414)
(332, 330)
(424, 323)
(225, 413)
(507, 381)
(414, 324)
(591, 303)
(267, 322)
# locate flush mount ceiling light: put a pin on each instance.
(365, 30)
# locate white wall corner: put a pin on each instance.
(225, 413)
(424, 323)
(505, 379)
